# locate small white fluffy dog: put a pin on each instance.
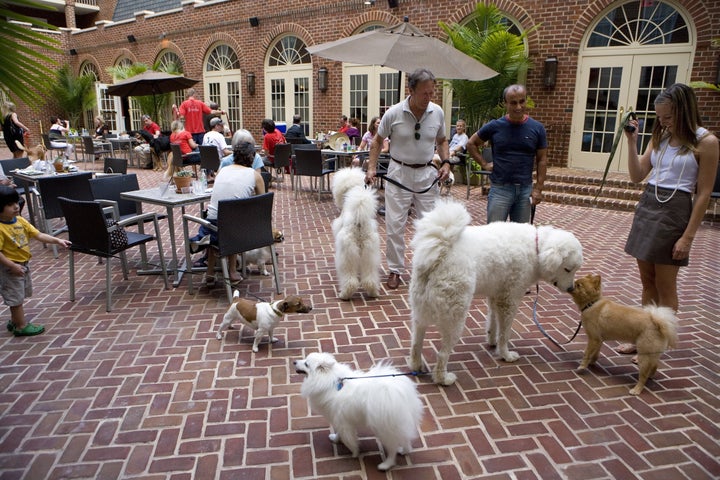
(453, 261)
(381, 399)
(357, 242)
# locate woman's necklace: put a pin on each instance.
(657, 173)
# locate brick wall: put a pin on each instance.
(191, 30)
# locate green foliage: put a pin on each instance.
(486, 38)
(159, 105)
(24, 66)
(709, 86)
(74, 94)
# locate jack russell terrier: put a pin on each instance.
(262, 317)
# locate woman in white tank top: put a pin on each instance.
(680, 159)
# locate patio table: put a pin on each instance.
(166, 196)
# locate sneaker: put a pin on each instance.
(28, 330)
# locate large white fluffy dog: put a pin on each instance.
(381, 399)
(453, 261)
(357, 242)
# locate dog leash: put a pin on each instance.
(400, 185)
(542, 330)
(412, 374)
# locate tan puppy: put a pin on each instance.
(652, 329)
(35, 153)
(447, 184)
(262, 316)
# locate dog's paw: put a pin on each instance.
(581, 370)
(636, 390)
(510, 356)
(386, 465)
(218, 336)
(345, 295)
(446, 379)
(334, 438)
(255, 349)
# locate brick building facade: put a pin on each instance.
(191, 29)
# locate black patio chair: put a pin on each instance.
(242, 225)
(283, 160)
(115, 165)
(90, 234)
(310, 163)
(209, 158)
(74, 186)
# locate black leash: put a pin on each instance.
(400, 185)
(542, 330)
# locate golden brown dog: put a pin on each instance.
(35, 153)
(652, 329)
(262, 317)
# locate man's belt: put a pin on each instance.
(412, 165)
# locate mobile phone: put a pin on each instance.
(629, 128)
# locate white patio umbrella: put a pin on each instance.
(404, 47)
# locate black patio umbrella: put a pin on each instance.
(152, 83)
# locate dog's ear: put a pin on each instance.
(596, 282)
(284, 306)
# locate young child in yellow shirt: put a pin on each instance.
(15, 284)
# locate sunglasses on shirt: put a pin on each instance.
(417, 131)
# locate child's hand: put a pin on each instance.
(17, 270)
(64, 243)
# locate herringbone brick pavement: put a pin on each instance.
(147, 392)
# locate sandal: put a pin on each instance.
(28, 330)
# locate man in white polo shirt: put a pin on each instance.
(416, 126)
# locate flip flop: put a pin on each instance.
(29, 330)
(10, 326)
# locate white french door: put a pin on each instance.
(609, 86)
(368, 91)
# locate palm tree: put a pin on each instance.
(74, 94)
(486, 37)
(23, 70)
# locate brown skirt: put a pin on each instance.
(657, 226)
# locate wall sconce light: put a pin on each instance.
(254, 21)
(131, 38)
(392, 3)
(323, 79)
(73, 51)
(550, 72)
(251, 83)
(370, 2)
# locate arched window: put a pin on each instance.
(288, 89)
(168, 61)
(632, 52)
(222, 82)
(89, 68)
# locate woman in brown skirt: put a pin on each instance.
(681, 158)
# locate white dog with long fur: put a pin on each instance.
(381, 399)
(453, 261)
(357, 242)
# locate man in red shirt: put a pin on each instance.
(343, 125)
(193, 110)
(273, 136)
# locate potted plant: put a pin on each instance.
(182, 179)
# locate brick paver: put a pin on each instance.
(147, 392)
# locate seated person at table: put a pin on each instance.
(101, 128)
(368, 138)
(57, 134)
(296, 130)
(216, 138)
(15, 283)
(238, 180)
(240, 136)
(459, 140)
(353, 130)
(149, 134)
(182, 137)
(273, 136)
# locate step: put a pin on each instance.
(608, 191)
(606, 203)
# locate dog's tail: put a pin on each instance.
(665, 321)
(438, 230)
(236, 294)
(361, 205)
(20, 145)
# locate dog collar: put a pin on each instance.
(275, 310)
(587, 306)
